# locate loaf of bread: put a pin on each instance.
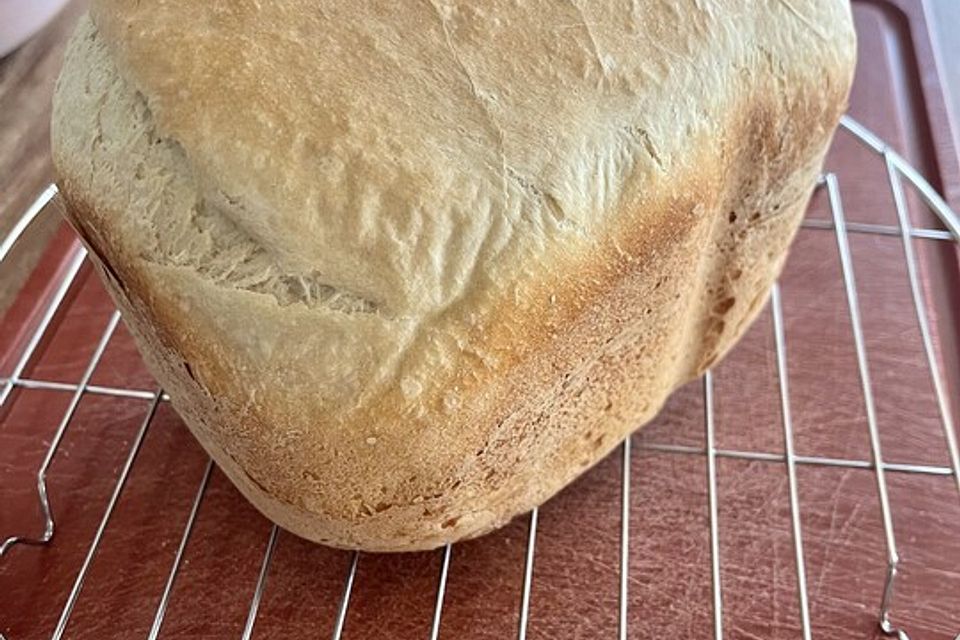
(406, 269)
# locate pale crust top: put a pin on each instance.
(395, 151)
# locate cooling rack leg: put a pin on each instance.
(45, 506)
(111, 505)
(713, 506)
(441, 592)
(528, 576)
(261, 583)
(895, 167)
(624, 539)
(856, 324)
(345, 598)
(171, 578)
(782, 375)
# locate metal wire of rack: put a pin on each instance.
(897, 169)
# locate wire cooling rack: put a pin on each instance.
(896, 169)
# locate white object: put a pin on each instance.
(20, 19)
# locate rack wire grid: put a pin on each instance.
(897, 169)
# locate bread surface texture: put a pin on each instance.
(406, 269)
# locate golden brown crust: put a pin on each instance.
(364, 417)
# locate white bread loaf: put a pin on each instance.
(406, 269)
